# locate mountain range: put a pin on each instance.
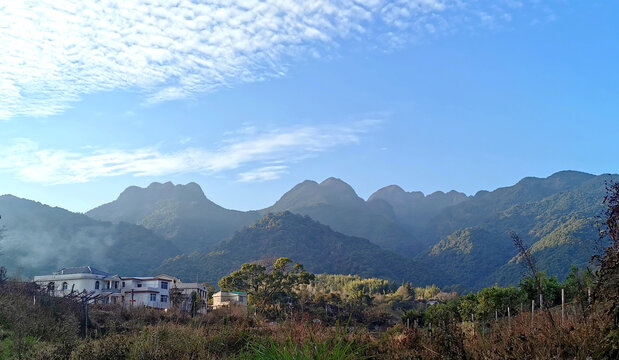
(442, 238)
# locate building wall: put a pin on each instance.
(79, 282)
(122, 294)
(223, 298)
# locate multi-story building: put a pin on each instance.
(114, 289)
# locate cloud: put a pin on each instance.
(263, 174)
(55, 51)
(273, 149)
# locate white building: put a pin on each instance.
(229, 298)
(114, 289)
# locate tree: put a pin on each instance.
(608, 274)
(549, 287)
(265, 288)
(576, 284)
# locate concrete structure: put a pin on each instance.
(184, 292)
(114, 289)
(229, 298)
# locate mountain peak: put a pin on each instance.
(331, 191)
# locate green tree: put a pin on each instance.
(550, 288)
(442, 314)
(576, 284)
(265, 288)
(467, 305)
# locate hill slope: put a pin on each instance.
(316, 246)
(414, 208)
(560, 228)
(179, 213)
(39, 239)
(335, 203)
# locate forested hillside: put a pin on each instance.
(560, 228)
(179, 213)
(443, 238)
(39, 239)
(303, 240)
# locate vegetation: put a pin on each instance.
(265, 288)
(316, 246)
(40, 239)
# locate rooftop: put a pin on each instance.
(81, 270)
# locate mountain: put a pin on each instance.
(460, 239)
(334, 203)
(316, 246)
(39, 239)
(555, 216)
(179, 213)
(486, 207)
(414, 208)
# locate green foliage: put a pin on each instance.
(350, 284)
(303, 240)
(414, 316)
(38, 237)
(442, 314)
(555, 216)
(267, 287)
(428, 292)
(550, 286)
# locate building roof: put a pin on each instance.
(231, 292)
(81, 270)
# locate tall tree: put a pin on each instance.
(266, 287)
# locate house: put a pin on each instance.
(229, 298)
(182, 293)
(114, 289)
(147, 291)
(83, 279)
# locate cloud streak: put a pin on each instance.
(272, 151)
(55, 51)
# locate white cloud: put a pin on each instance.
(55, 51)
(275, 148)
(263, 174)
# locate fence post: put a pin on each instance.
(408, 323)
(541, 302)
(509, 318)
(562, 306)
(589, 295)
(532, 312)
(496, 315)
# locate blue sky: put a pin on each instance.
(250, 98)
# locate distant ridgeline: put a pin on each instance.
(442, 238)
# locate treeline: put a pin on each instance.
(349, 285)
(496, 302)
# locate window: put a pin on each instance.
(50, 286)
(164, 298)
(96, 285)
(139, 285)
(123, 284)
(115, 284)
(65, 286)
(108, 283)
(153, 297)
(164, 285)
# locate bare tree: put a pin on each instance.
(528, 261)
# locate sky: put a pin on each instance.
(248, 98)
